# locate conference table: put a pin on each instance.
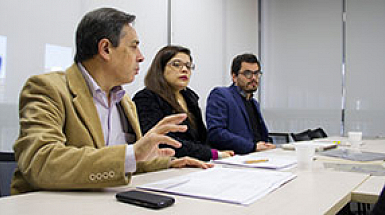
(370, 189)
(316, 191)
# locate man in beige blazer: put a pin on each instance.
(67, 139)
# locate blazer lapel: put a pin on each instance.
(261, 120)
(84, 104)
(239, 101)
(131, 114)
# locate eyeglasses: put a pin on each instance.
(249, 73)
(177, 64)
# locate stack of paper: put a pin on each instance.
(354, 155)
(260, 160)
(238, 186)
(319, 145)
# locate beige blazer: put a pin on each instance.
(61, 144)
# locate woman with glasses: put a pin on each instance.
(166, 93)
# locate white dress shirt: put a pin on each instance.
(110, 117)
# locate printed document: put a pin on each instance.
(238, 186)
(260, 160)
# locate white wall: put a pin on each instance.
(241, 32)
(199, 25)
(28, 26)
(215, 31)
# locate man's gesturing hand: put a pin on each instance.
(148, 146)
(189, 162)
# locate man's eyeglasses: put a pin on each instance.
(177, 64)
(249, 73)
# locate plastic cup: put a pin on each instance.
(355, 139)
(305, 153)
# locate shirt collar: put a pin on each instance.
(117, 92)
(242, 93)
(91, 83)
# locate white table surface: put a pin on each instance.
(316, 192)
(320, 191)
(369, 190)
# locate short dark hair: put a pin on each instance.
(97, 25)
(237, 62)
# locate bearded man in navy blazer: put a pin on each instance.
(233, 116)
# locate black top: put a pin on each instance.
(253, 118)
(379, 207)
(152, 108)
(129, 132)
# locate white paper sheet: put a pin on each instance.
(320, 145)
(273, 161)
(239, 186)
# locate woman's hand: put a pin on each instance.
(189, 162)
(225, 154)
(261, 146)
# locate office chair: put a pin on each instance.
(7, 167)
(279, 138)
(303, 136)
(317, 133)
(309, 134)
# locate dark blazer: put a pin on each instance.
(152, 108)
(228, 123)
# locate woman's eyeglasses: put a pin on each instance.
(177, 64)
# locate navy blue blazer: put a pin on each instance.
(228, 123)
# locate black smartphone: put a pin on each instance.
(145, 199)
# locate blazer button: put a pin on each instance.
(105, 175)
(92, 177)
(111, 174)
(99, 176)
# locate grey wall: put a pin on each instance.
(214, 30)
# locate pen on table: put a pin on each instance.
(256, 161)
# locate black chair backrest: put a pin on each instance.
(309, 134)
(303, 136)
(279, 138)
(7, 167)
(317, 133)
